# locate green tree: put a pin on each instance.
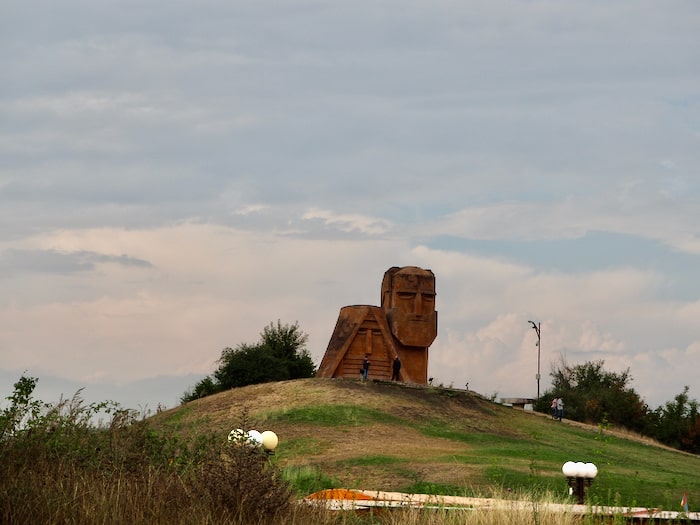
(592, 394)
(677, 423)
(280, 354)
(22, 410)
(249, 365)
(288, 344)
(204, 387)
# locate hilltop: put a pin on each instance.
(395, 437)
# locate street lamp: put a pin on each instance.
(579, 476)
(536, 327)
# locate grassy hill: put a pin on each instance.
(384, 436)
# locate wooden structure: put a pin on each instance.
(360, 330)
(405, 325)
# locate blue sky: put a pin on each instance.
(174, 176)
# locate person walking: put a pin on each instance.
(365, 368)
(396, 368)
(560, 408)
(554, 408)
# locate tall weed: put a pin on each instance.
(56, 467)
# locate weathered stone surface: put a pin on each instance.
(404, 325)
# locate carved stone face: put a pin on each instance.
(408, 298)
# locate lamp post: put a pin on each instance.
(536, 327)
(579, 476)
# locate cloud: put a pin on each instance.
(177, 176)
(628, 210)
(51, 261)
(348, 222)
(209, 287)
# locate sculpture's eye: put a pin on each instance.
(406, 296)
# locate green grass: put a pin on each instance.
(442, 489)
(307, 480)
(175, 419)
(492, 448)
(631, 473)
(301, 447)
(179, 468)
(331, 416)
(374, 461)
(442, 430)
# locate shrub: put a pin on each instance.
(281, 354)
(57, 467)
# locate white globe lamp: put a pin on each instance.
(579, 475)
(569, 469)
(254, 438)
(590, 470)
(269, 441)
(237, 435)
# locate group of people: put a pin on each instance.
(395, 368)
(557, 408)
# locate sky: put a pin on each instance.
(176, 175)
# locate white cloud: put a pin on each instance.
(264, 162)
(349, 222)
(208, 287)
(250, 209)
(635, 211)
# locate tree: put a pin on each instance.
(249, 365)
(591, 394)
(279, 355)
(204, 387)
(677, 423)
(23, 408)
(288, 344)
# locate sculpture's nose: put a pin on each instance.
(418, 304)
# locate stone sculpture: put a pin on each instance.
(405, 325)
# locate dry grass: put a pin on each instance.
(516, 516)
(177, 467)
(393, 437)
(413, 451)
(411, 403)
(56, 468)
(457, 511)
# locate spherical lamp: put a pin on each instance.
(569, 469)
(237, 435)
(254, 438)
(269, 440)
(590, 470)
(579, 476)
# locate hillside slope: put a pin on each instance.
(389, 436)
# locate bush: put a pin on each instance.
(57, 467)
(281, 354)
(591, 394)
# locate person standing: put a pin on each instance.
(396, 368)
(560, 408)
(554, 408)
(365, 368)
